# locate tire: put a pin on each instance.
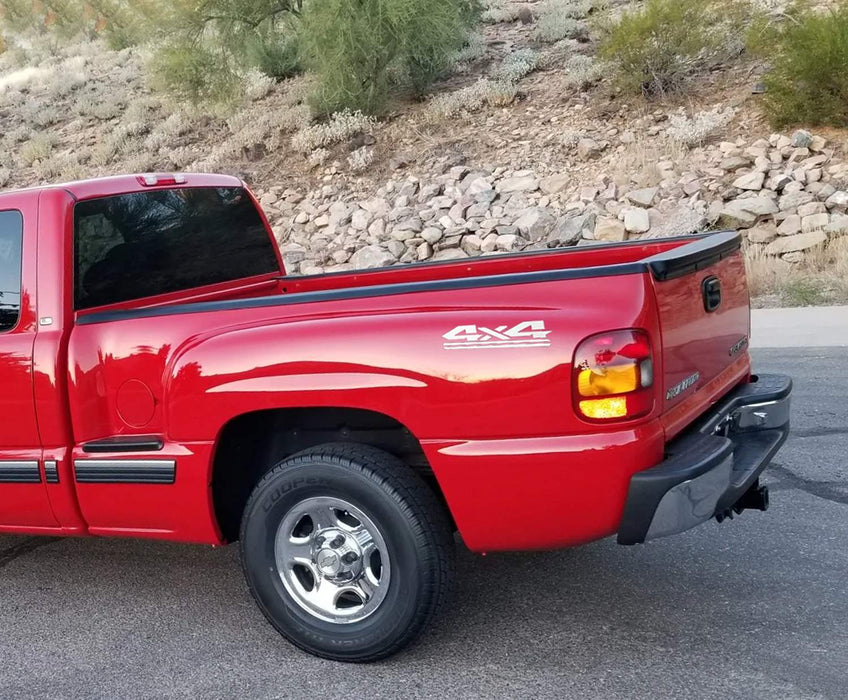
(361, 606)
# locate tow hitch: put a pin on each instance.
(755, 498)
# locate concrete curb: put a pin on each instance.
(803, 327)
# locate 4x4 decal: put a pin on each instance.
(527, 334)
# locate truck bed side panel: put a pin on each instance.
(413, 357)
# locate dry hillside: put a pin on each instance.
(527, 143)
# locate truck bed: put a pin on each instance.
(620, 258)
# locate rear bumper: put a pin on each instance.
(714, 467)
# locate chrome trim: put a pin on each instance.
(19, 472)
(51, 471)
(125, 471)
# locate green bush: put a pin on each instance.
(196, 74)
(655, 49)
(808, 53)
(360, 50)
(212, 43)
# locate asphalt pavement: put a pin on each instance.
(753, 608)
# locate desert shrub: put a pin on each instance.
(195, 74)
(318, 157)
(516, 65)
(339, 127)
(360, 159)
(583, 71)
(38, 148)
(695, 130)
(500, 11)
(358, 50)
(473, 50)
(495, 93)
(808, 53)
(558, 19)
(214, 42)
(658, 46)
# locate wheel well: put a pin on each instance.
(252, 444)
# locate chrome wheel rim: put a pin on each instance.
(332, 559)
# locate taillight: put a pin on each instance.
(613, 376)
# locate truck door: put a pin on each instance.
(23, 495)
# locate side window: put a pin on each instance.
(11, 237)
(144, 244)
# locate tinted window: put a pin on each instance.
(11, 235)
(146, 243)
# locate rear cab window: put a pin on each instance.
(145, 244)
(11, 258)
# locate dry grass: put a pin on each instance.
(638, 163)
(822, 278)
(38, 148)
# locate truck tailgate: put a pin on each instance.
(704, 321)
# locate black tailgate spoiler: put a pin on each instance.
(694, 256)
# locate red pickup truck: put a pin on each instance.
(162, 377)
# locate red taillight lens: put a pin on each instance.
(613, 376)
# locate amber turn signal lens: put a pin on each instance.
(600, 409)
(602, 381)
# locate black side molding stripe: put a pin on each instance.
(371, 291)
(19, 473)
(51, 472)
(125, 471)
(694, 256)
(126, 443)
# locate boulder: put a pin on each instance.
(424, 251)
(838, 224)
(588, 148)
(450, 254)
(801, 241)
(838, 201)
(432, 234)
(793, 200)
(790, 225)
(733, 215)
(360, 220)
(371, 256)
(377, 228)
(441, 202)
(761, 206)
(802, 139)
(508, 241)
(811, 208)
(762, 233)
(609, 230)
(536, 222)
(734, 163)
(750, 181)
(814, 222)
(413, 223)
(571, 229)
(554, 183)
(642, 198)
(526, 183)
(636, 220)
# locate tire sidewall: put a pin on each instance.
(392, 619)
